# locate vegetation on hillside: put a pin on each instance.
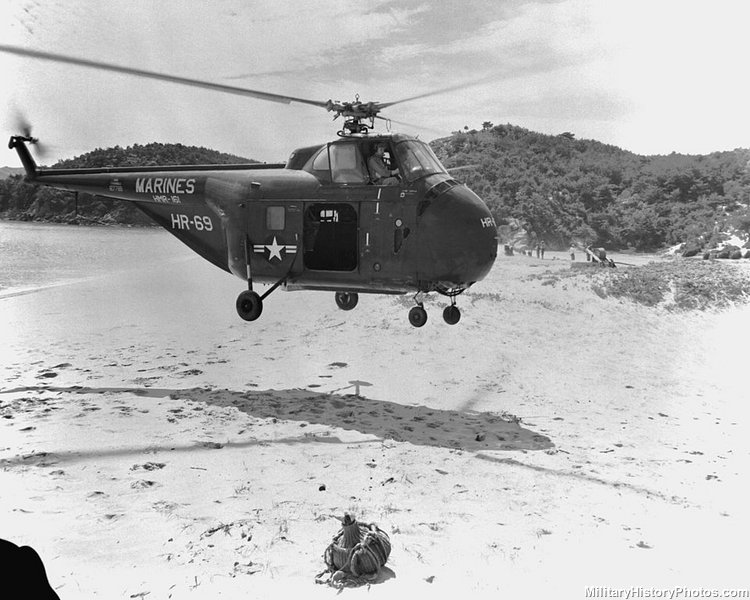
(23, 201)
(563, 189)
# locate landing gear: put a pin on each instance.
(451, 314)
(347, 300)
(418, 316)
(249, 305)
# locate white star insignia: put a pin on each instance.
(274, 249)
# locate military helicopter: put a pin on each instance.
(320, 221)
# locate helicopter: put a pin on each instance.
(321, 221)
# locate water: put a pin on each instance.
(36, 256)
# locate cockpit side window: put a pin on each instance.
(347, 165)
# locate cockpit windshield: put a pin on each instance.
(417, 160)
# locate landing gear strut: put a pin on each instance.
(347, 300)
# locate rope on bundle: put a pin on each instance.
(356, 554)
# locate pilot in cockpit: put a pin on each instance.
(381, 172)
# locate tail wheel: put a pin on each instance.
(417, 316)
(347, 300)
(249, 305)
(451, 314)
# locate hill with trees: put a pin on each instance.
(556, 188)
(561, 189)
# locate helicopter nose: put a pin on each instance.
(459, 239)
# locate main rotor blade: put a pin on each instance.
(414, 125)
(227, 89)
(444, 90)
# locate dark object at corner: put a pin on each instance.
(24, 575)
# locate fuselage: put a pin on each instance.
(317, 222)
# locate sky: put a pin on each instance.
(652, 77)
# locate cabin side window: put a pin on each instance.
(321, 162)
(319, 165)
(275, 218)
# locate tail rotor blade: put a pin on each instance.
(23, 125)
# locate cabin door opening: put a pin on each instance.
(330, 237)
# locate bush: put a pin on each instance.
(696, 285)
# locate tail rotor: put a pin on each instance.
(23, 125)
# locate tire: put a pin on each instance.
(249, 305)
(347, 300)
(417, 316)
(451, 315)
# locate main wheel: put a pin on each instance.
(451, 314)
(347, 300)
(249, 305)
(417, 316)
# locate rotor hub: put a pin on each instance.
(354, 114)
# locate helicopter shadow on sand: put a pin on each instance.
(385, 420)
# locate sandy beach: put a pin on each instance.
(153, 445)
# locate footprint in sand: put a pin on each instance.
(211, 445)
(125, 411)
(142, 484)
(165, 506)
(113, 516)
(149, 466)
(189, 372)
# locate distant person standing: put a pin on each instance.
(541, 248)
(572, 252)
